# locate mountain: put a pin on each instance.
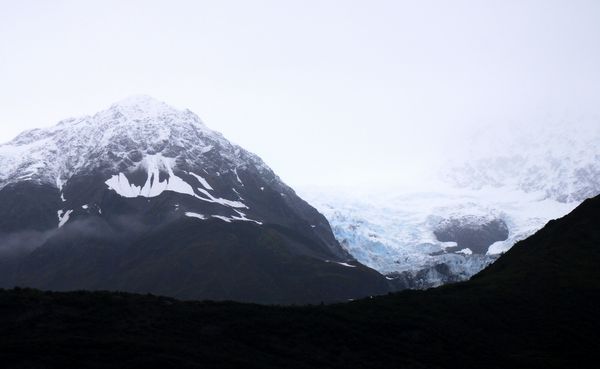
(506, 186)
(536, 307)
(143, 197)
(558, 160)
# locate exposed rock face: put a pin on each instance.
(471, 232)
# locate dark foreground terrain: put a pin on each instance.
(537, 306)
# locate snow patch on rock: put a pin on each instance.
(195, 215)
(63, 217)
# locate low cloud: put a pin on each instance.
(22, 242)
(119, 228)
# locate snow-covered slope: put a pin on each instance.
(560, 160)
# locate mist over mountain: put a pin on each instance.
(558, 159)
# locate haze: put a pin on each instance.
(326, 92)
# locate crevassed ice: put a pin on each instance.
(393, 232)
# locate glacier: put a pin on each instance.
(520, 179)
(393, 231)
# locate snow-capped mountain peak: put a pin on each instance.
(558, 160)
(143, 103)
(117, 138)
(143, 108)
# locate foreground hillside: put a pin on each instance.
(537, 306)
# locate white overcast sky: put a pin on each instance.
(327, 92)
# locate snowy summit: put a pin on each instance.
(119, 137)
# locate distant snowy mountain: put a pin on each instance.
(509, 186)
(559, 160)
(144, 197)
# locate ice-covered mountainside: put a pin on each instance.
(507, 187)
(561, 160)
(395, 233)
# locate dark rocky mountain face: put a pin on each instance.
(145, 198)
(470, 232)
